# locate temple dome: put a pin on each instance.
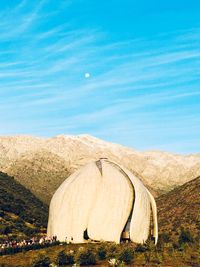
(103, 199)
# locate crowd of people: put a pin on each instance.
(30, 243)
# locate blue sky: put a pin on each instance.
(144, 63)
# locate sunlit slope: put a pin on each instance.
(180, 208)
(41, 164)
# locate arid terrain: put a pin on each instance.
(41, 164)
(180, 208)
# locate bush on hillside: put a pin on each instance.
(185, 237)
(4, 229)
(112, 250)
(126, 255)
(140, 248)
(102, 252)
(41, 261)
(164, 237)
(86, 257)
(65, 258)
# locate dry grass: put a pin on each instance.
(167, 257)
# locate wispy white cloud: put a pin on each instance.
(134, 84)
(13, 25)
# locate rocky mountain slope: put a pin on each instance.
(21, 213)
(41, 164)
(180, 208)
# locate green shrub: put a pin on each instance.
(102, 252)
(165, 237)
(2, 213)
(175, 245)
(29, 231)
(4, 229)
(65, 258)
(86, 257)
(185, 237)
(150, 245)
(140, 248)
(156, 258)
(41, 261)
(61, 259)
(112, 250)
(70, 258)
(126, 255)
(147, 257)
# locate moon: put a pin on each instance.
(87, 75)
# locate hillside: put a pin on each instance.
(177, 210)
(42, 172)
(180, 209)
(41, 164)
(21, 213)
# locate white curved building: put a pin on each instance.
(104, 202)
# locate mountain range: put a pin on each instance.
(42, 164)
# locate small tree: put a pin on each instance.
(141, 248)
(150, 249)
(165, 237)
(112, 250)
(102, 252)
(65, 258)
(185, 237)
(86, 257)
(147, 257)
(61, 259)
(41, 261)
(5, 229)
(126, 255)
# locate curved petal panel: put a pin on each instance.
(71, 204)
(112, 207)
(140, 221)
